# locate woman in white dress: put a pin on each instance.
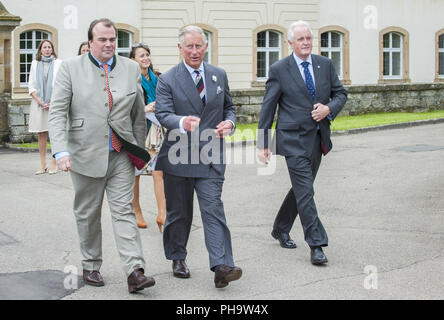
(41, 81)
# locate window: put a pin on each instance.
(334, 44)
(392, 55)
(207, 57)
(331, 47)
(29, 42)
(26, 41)
(439, 53)
(124, 41)
(441, 56)
(268, 52)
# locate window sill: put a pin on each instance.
(258, 84)
(393, 81)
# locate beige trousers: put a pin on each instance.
(89, 192)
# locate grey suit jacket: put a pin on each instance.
(79, 116)
(295, 128)
(197, 154)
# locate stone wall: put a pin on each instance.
(18, 117)
(4, 129)
(361, 99)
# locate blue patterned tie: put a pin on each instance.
(309, 80)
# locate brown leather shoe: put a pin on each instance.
(225, 274)
(180, 269)
(93, 278)
(138, 281)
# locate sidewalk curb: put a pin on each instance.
(245, 143)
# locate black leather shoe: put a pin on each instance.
(93, 278)
(225, 274)
(317, 256)
(180, 269)
(138, 281)
(284, 239)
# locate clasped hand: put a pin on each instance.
(190, 124)
(320, 111)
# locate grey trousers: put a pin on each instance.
(300, 198)
(179, 194)
(89, 192)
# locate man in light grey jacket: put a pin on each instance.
(97, 129)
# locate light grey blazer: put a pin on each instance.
(295, 128)
(176, 97)
(79, 117)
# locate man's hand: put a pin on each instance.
(64, 163)
(320, 111)
(263, 155)
(150, 107)
(223, 128)
(190, 123)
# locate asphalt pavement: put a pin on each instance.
(379, 195)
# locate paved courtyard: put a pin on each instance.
(380, 196)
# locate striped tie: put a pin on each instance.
(115, 142)
(200, 86)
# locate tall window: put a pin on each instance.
(124, 41)
(392, 56)
(331, 47)
(208, 53)
(268, 52)
(441, 56)
(29, 42)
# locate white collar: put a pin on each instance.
(299, 60)
(191, 70)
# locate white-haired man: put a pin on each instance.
(193, 102)
(309, 95)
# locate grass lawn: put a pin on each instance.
(31, 145)
(247, 131)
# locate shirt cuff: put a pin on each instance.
(61, 154)
(182, 130)
(233, 129)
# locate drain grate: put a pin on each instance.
(35, 285)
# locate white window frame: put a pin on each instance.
(32, 51)
(392, 50)
(126, 50)
(329, 49)
(267, 49)
(209, 36)
(440, 50)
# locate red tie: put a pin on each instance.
(115, 142)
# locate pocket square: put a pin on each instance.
(219, 90)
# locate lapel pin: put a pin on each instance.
(214, 78)
(319, 67)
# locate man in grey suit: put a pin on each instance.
(97, 128)
(309, 95)
(194, 103)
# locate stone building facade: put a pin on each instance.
(387, 53)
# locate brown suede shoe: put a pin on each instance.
(138, 281)
(225, 274)
(93, 278)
